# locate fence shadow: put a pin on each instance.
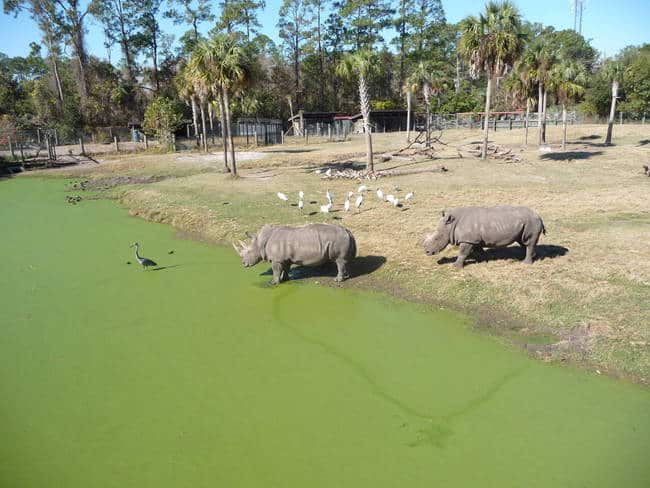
(570, 155)
(511, 253)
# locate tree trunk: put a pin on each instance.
(55, 65)
(321, 61)
(224, 130)
(211, 118)
(195, 118)
(540, 100)
(365, 112)
(488, 96)
(203, 128)
(428, 113)
(408, 116)
(563, 126)
(612, 113)
(544, 116)
(226, 102)
(526, 121)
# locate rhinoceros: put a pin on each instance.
(478, 227)
(308, 245)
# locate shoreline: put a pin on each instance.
(585, 306)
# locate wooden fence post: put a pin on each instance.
(146, 141)
(38, 136)
(117, 147)
(81, 143)
(11, 149)
(495, 124)
(56, 138)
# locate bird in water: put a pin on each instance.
(145, 262)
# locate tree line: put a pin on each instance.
(417, 58)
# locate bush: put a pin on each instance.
(161, 119)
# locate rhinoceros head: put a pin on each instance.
(249, 253)
(436, 242)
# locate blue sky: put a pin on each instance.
(611, 25)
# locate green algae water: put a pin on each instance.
(199, 375)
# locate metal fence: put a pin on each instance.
(246, 131)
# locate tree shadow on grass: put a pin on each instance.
(570, 155)
(590, 137)
(362, 265)
(289, 150)
(511, 253)
(644, 142)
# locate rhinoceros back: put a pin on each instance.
(310, 244)
(495, 226)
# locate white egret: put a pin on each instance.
(282, 196)
(329, 196)
(362, 189)
(301, 205)
(359, 202)
(326, 208)
(346, 205)
(409, 196)
(350, 194)
(318, 171)
(395, 202)
(301, 194)
(328, 172)
(380, 194)
(390, 198)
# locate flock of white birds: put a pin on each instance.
(358, 202)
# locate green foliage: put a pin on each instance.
(383, 104)
(162, 118)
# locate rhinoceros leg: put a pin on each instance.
(284, 275)
(277, 272)
(341, 265)
(464, 250)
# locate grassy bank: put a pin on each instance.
(585, 300)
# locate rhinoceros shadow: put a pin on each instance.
(362, 265)
(515, 253)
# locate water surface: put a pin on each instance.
(199, 374)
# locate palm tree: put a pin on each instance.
(537, 60)
(187, 93)
(614, 72)
(567, 80)
(360, 65)
(200, 77)
(491, 43)
(430, 77)
(519, 86)
(409, 88)
(221, 67)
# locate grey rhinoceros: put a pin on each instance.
(479, 227)
(308, 245)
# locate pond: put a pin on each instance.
(199, 374)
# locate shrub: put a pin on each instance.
(161, 119)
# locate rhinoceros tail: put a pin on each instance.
(352, 252)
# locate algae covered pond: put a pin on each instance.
(198, 374)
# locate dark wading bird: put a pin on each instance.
(145, 262)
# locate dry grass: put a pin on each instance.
(588, 297)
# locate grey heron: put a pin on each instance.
(145, 262)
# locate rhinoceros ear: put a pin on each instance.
(449, 219)
(248, 234)
(443, 212)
